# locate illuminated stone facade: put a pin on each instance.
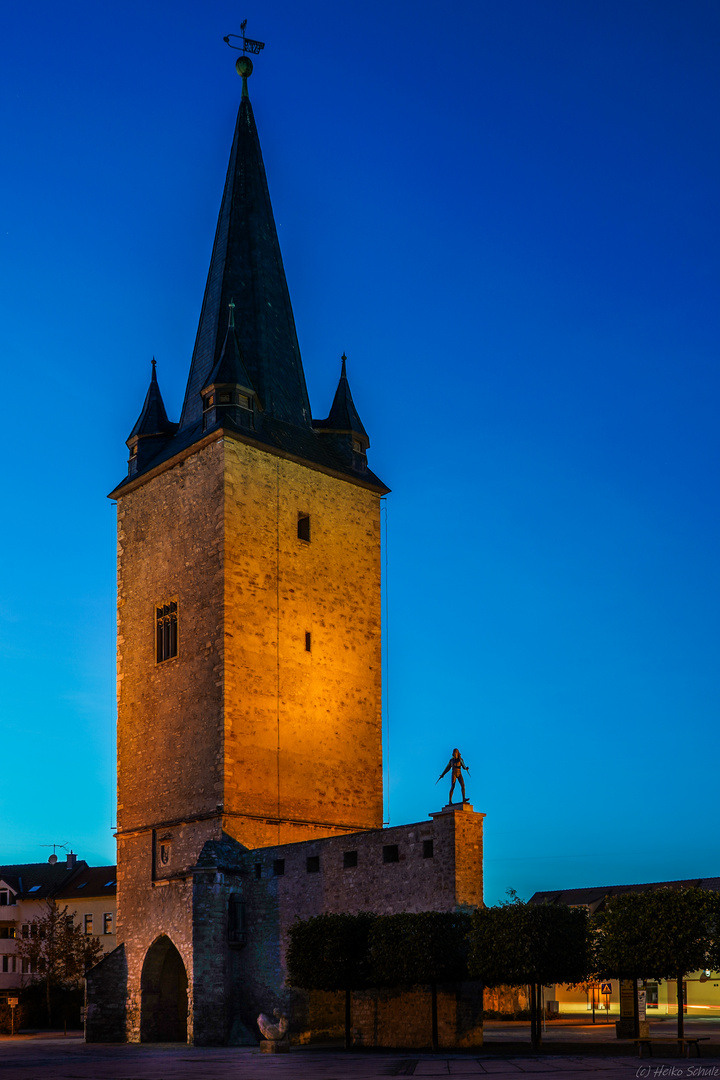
(249, 678)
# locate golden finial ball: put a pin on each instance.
(244, 66)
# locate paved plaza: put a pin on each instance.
(54, 1057)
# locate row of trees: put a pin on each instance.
(663, 934)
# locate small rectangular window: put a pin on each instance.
(236, 919)
(26, 930)
(88, 924)
(25, 967)
(5, 895)
(349, 860)
(313, 864)
(4, 931)
(258, 871)
(308, 642)
(304, 527)
(166, 629)
(391, 853)
(107, 922)
(69, 922)
(428, 852)
(5, 964)
(245, 402)
(278, 867)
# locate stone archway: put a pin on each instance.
(164, 1000)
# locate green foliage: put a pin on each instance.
(518, 943)
(426, 947)
(58, 952)
(330, 952)
(659, 934)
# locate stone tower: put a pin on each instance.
(249, 663)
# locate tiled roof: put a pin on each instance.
(93, 881)
(594, 898)
(39, 881)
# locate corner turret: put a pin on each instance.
(152, 429)
(343, 428)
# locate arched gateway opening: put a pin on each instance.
(164, 1002)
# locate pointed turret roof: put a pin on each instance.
(153, 420)
(246, 266)
(230, 368)
(343, 414)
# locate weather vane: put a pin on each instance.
(248, 45)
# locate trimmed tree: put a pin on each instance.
(660, 934)
(331, 952)
(423, 948)
(57, 952)
(521, 944)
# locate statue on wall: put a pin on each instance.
(457, 765)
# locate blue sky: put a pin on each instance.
(506, 215)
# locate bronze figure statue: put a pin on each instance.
(457, 765)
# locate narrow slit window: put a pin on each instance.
(304, 527)
(428, 852)
(278, 867)
(349, 860)
(166, 630)
(258, 870)
(391, 853)
(308, 642)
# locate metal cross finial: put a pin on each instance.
(248, 44)
(231, 313)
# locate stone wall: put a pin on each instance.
(302, 674)
(438, 868)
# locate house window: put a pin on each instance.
(313, 864)
(209, 401)
(5, 965)
(69, 923)
(108, 922)
(25, 967)
(428, 849)
(5, 932)
(224, 398)
(391, 853)
(245, 402)
(25, 930)
(166, 621)
(349, 860)
(88, 924)
(304, 527)
(278, 867)
(258, 870)
(357, 446)
(308, 642)
(4, 897)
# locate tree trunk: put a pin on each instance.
(433, 1006)
(534, 1019)
(681, 1009)
(348, 1032)
(47, 1001)
(636, 1009)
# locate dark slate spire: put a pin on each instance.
(343, 427)
(246, 265)
(152, 428)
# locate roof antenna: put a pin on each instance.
(53, 858)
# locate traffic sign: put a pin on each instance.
(12, 1002)
(606, 988)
